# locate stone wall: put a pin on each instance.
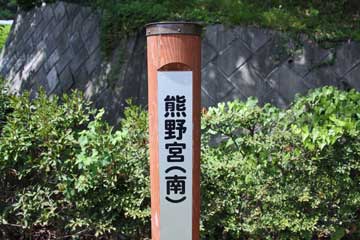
(58, 47)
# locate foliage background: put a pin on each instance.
(267, 173)
(7, 9)
(4, 32)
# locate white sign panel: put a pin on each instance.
(175, 154)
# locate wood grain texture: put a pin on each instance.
(173, 53)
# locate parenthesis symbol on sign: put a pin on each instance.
(175, 168)
(176, 201)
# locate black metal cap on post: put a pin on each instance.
(165, 28)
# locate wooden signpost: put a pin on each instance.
(174, 62)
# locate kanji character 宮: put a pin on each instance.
(175, 151)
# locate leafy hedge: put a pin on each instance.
(278, 174)
(63, 170)
(4, 32)
(266, 173)
(8, 9)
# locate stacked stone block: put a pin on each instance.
(58, 47)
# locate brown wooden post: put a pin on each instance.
(174, 58)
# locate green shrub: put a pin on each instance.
(4, 32)
(267, 173)
(290, 174)
(8, 9)
(63, 170)
(4, 103)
